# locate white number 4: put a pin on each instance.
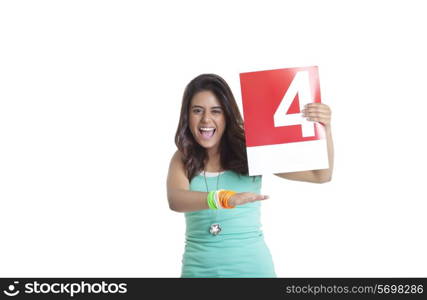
(300, 85)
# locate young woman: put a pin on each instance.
(208, 181)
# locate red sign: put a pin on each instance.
(272, 103)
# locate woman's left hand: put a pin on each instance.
(318, 112)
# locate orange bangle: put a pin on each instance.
(222, 199)
(225, 196)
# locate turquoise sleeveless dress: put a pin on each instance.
(239, 249)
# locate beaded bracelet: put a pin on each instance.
(219, 199)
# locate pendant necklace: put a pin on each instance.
(215, 228)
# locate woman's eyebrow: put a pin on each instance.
(204, 108)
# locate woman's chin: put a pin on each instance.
(207, 144)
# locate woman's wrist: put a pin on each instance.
(220, 199)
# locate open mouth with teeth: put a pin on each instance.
(207, 132)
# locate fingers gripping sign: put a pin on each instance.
(317, 112)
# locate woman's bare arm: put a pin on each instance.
(180, 198)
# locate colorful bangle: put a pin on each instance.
(222, 199)
(227, 196)
(219, 199)
(211, 201)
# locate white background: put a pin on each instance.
(90, 96)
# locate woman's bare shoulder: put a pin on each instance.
(177, 176)
(177, 156)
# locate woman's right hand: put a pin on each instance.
(242, 198)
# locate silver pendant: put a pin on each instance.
(215, 229)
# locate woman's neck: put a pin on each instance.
(213, 164)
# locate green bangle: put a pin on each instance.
(211, 201)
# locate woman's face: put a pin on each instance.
(206, 119)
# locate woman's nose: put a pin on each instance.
(206, 116)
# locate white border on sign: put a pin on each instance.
(289, 157)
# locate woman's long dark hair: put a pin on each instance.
(232, 145)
